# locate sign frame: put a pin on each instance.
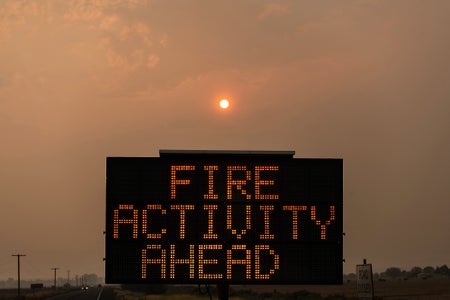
(312, 257)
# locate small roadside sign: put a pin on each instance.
(364, 281)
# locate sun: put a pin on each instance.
(224, 104)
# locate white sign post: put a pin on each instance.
(364, 281)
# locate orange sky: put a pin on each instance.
(366, 81)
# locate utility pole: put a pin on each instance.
(18, 273)
(54, 269)
(68, 278)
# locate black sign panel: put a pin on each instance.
(235, 217)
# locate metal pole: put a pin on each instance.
(18, 273)
(54, 269)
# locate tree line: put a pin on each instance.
(414, 272)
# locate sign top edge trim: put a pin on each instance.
(164, 152)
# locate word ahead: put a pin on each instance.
(236, 217)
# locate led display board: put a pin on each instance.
(237, 217)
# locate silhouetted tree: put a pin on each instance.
(414, 272)
(376, 276)
(393, 272)
(443, 270)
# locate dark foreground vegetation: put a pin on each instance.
(130, 292)
(389, 289)
(29, 294)
(394, 283)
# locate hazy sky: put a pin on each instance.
(365, 80)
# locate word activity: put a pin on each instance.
(134, 223)
(240, 218)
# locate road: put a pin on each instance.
(94, 293)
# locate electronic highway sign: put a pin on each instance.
(236, 217)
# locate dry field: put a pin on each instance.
(417, 289)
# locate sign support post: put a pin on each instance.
(223, 291)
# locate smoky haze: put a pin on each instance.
(366, 81)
